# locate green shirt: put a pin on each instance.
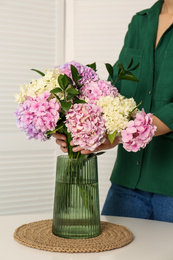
(150, 169)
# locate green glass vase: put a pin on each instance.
(76, 202)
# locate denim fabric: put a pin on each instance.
(127, 202)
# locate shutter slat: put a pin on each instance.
(31, 32)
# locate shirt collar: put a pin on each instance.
(156, 6)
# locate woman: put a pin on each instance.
(142, 182)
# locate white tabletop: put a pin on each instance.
(153, 240)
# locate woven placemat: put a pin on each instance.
(39, 235)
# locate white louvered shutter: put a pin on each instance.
(31, 36)
(95, 33)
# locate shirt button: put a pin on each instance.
(152, 67)
(138, 162)
(149, 92)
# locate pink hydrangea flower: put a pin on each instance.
(36, 116)
(86, 125)
(94, 90)
(139, 132)
(86, 72)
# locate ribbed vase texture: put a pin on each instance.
(76, 203)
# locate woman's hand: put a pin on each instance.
(161, 127)
(104, 146)
(61, 141)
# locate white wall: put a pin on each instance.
(39, 34)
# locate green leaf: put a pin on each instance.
(119, 70)
(73, 91)
(128, 73)
(57, 96)
(120, 65)
(70, 81)
(130, 64)
(112, 136)
(65, 105)
(129, 77)
(99, 153)
(121, 73)
(109, 69)
(60, 81)
(79, 101)
(39, 72)
(75, 74)
(63, 81)
(69, 96)
(56, 90)
(134, 68)
(92, 66)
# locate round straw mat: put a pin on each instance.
(39, 235)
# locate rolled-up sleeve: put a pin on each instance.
(165, 114)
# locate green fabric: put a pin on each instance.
(150, 169)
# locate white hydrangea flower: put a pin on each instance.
(37, 87)
(116, 112)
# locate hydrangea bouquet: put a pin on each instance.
(73, 100)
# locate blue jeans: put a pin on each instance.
(127, 202)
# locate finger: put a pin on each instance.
(59, 136)
(63, 149)
(86, 151)
(77, 149)
(71, 143)
(100, 148)
(61, 143)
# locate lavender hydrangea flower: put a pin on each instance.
(86, 125)
(87, 73)
(36, 116)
